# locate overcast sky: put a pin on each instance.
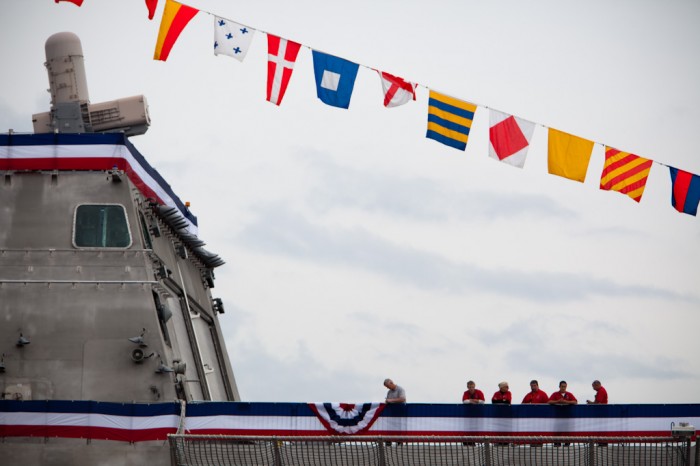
(357, 249)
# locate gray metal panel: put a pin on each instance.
(78, 307)
(78, 452)
(79, 341)
(38, 208)
(78, 265)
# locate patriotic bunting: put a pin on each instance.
(625, 173)
(510, 138)
(91, 151)
(685, 194)
(175, 18)
(335, 79)
(281, 55)
(396, 90)
(347, 418)
(568, 155)
(449, 120)
(231, 38)
(138, 422)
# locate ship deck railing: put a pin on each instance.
(204, 450)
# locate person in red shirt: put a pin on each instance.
(536, 396)
(601, 395)
(472, 395)
(502, 396)
(562, 397)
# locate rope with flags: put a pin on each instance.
(449, 118)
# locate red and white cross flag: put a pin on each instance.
(510, 138)
(281, 55)
(396, 90)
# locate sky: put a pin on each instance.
(356, 249)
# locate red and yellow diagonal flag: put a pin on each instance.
(175, 18)
(625, 173)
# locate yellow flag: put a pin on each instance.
(569, 155)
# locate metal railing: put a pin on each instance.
(196, 450)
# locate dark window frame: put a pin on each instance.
(95, 204)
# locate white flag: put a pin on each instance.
(396, 90)
(231, 38)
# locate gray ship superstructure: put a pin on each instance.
(105, 287)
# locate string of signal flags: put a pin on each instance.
(449, 118)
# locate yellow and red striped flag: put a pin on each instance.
(175, 18)
(625, 173)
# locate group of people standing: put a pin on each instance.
(397, 394)
(536, 395)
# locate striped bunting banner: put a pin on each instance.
(449, 120)
(124, 422)
(625, 173)
(92, 151)
(137, 422)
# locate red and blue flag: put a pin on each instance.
(685, 194)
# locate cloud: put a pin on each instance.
(11, 119)
(296, 376)
(341, 187)
(554, 346)
(278, 231)
(618, 366)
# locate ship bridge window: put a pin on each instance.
(101, 226)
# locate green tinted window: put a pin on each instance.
(101, 226)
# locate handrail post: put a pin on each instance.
(688, 451)
(382, 453)
(276, 452)
(591, 454)
(487, 453)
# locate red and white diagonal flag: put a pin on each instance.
(396, 90)
(510, 138)
(281, 55)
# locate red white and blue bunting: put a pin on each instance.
(347, 418)
(98, 151)
(140, 421)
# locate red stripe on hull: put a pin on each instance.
(287, 432)
(97, 433)
(81, 164)
(431, 433)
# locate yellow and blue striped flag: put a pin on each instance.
(449, 120)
